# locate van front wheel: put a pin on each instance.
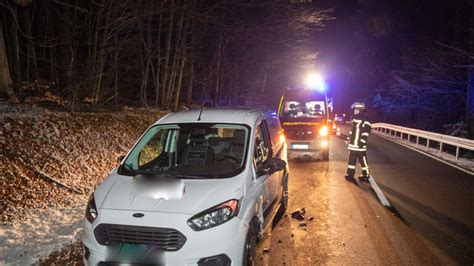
(250, 245)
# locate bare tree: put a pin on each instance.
(5, 79)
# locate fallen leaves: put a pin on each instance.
(76, 150)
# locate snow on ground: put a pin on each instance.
(46, 231)
(465, 163)
(37, 215)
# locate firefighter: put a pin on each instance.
(357, 143)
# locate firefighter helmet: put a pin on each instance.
(358, 105)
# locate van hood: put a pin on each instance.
(166, 194)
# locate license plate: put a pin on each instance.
(300, 146)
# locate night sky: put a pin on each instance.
(364, 40)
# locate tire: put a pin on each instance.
(250, 246)
(284, 198)
(283, 204)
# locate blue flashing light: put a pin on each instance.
(316, 82)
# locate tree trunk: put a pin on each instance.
(158, 63)
(180, 78)
(174, 68)
(69, 55)
(189, 93)
(167, 53)
(218, 70)
(102, 52)
(15, 52)
(5, 79)
(146, 46)
(32, 69)
(116, 94)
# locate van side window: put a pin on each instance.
(262, 144)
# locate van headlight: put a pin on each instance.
(214, 216)
(323, 131)
(91, 210)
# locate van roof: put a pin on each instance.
(234, 116)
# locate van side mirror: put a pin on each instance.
(270, 166)
(263, 169)
(277, 164)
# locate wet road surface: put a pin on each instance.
(435, 203)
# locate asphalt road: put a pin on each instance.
(433, 223)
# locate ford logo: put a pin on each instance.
(138, 215)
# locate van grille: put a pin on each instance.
(165, 239)
(300, 134)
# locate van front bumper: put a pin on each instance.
(307, 148)
(224, 243)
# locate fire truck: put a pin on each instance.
(304, 115)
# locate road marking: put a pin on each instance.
(427, 154)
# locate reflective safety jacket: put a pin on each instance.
(358, 135)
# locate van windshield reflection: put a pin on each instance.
(189, 150)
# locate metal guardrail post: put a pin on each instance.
(440, 147)
(417, 140)
(427, 143)
(457, 152)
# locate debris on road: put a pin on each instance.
(298, 214)
(311, 218)
(266, 250)
(303, 224)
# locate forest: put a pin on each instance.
(160, 54)
(410, 62)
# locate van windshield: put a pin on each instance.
(302, 109)
(191, 150)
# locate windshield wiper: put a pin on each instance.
(161, 173)
(165, 173)
(136, 172)
(180, 175)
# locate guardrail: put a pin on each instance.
(417, 136)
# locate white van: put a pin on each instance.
(198, 188)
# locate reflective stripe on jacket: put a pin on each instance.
(360, 132)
